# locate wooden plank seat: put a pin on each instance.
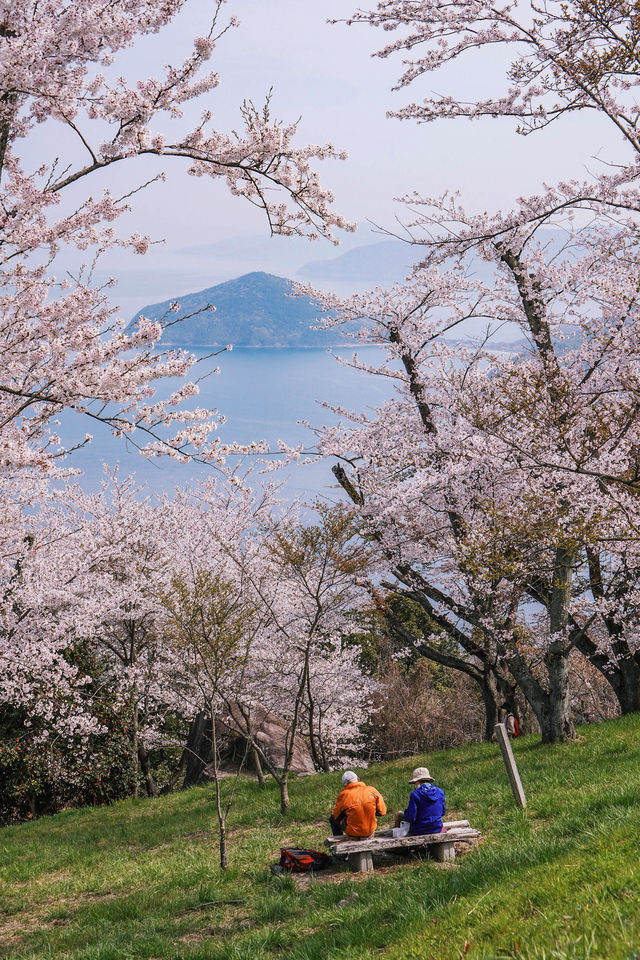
(360, 851)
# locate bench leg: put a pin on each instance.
(444, 851)
(361, 862)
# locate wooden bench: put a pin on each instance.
(360, 852)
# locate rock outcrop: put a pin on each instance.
(269, 731)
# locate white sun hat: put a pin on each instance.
(420, 774)
(349, 777)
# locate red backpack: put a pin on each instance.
(298, 859)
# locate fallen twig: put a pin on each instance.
(214, 903)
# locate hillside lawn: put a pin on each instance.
(559, 881)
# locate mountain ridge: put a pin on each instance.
(382, 262)
(257, 309)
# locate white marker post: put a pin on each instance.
(510, 764)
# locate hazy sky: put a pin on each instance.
(326, 75)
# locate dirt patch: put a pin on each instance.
(74, 899)
(230, 923)
(12, 931)
(28, 921)
(384, 862)
(205, 933)
(176, 841)
(92, 895)
(304, 880)
(57, 876)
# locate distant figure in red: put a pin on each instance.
(510, 720)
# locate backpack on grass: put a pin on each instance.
(297, 859)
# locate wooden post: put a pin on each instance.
(361, 862)
(444, 851)
(510, 764)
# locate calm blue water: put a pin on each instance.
(262, 392)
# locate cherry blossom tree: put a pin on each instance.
(524, 465)
(565, 58)
(214, 600)
(313, 580)
(64, 347)
(498, 486)
(97, 562)
(340, 703)
(211, 622)
(36, 676)
(98, 571)
(378, 460)
(559, 59)
(68, 123)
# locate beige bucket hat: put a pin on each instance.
(420, 774)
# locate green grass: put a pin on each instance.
(559, 881)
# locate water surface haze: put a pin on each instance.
(263, 393)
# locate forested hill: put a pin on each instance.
(255, 310)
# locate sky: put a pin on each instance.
(325, 74)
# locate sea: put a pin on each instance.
(264, 393)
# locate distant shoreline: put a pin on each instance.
(267, 346)
(500, 347)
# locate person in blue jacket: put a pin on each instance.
(426, 805)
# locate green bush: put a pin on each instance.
(43, 772)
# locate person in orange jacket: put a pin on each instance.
(356, 808)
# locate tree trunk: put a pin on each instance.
(489, 698)
(258, 765)
(554, 717)
(618, 665)
(317, 753)
(224, 858)
(553, 711)
(554, 726)
(551, 706)
(222, 820)
(623, 676)
(145, 765)
(622, 673)
(198, 748)
(173, 779)
(497, 688)
(628, 688)
(134, 746)
(284, 794)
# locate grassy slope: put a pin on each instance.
(559, 881)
